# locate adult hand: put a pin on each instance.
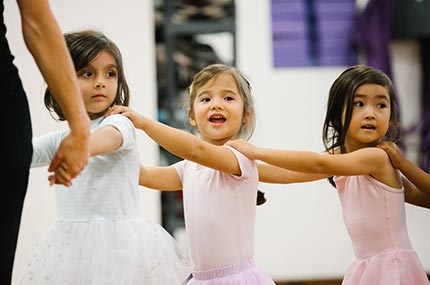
(70, 159)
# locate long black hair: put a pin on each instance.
(340, 103)
(341, 100)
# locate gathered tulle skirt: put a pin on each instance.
(396, 267)
(107, 252)
(244, 273)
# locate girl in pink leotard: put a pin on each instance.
(219, 184)
(361, 112)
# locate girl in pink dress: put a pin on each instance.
(219, 184)
(361, 112)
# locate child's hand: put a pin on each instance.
(117, 109)
(70, 159)
(244, 147)
(60, 176)
(396, 156)
(136, 118)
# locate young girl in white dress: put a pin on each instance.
(99, 236)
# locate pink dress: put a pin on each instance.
(374, 215)
(220, 211)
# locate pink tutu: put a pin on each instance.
(244, 273)
(396, 267)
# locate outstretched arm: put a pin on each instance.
(182, 143)
(365, 161)
(46, 43)
(273, 174)
(164, 178)
(415, 174)
(360, 162)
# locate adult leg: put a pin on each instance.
(16, 155)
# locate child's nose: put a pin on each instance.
(370, 112)
(99, 83)
(216, 104)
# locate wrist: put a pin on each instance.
(80, 127)
(404, 164)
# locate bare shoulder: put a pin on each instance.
(381, 166)
(365, 161)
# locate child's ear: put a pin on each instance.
(246, 118)
(191, 117)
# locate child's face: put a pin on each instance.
(218, 110)
(370, 117)
(99, 83)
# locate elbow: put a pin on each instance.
(197, 151)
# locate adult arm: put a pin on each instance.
(44, 40)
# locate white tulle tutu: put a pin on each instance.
(108, 252)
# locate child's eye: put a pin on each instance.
(205, 99)
(382, 105)
(358, 104)
(85, 73)
(112, 73)
(228, 98)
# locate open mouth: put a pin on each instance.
(368, 127)
(217, 119)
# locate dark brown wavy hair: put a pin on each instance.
(84, 46)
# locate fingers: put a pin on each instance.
(60, 169)
(116, 109)
(55, 179)
(71, 172)
(59, 162)
(61, 176)
(384, 145)
(59, 166)
(69, 160)
(58, 159)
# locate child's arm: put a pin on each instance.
(366, 161)
(273, 174)
(105, 140)
(414, 196)
(182, 143)
(415, 174)
(164, 178)
(363, 161)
